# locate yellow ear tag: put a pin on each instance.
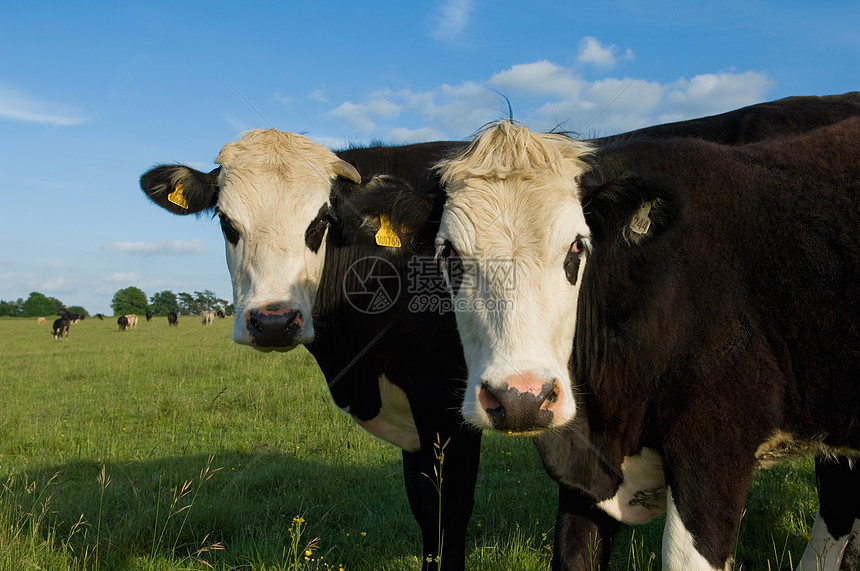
(386, 236)
(641, 222)
(177, 198)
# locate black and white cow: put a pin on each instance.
(675, 314)
(60, 328)
(301, 230)
(356, 348)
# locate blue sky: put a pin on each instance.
(92, 94)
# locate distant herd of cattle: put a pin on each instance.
(60, 329)
(664, 311)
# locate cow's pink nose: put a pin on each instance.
(520, 403)
(274, 325)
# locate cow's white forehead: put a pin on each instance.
(508, 191)
(523, 226)
(268, 169)
(506, 149)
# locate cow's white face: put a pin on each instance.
(513, 242)
(274, 190)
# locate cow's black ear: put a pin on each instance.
(180, 189)
(386, 211)
(630, 208)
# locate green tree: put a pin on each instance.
(38, 305)
(129, 300)
(199, 302)
(12, 308)
(187, 304)
(60, 306)
(207, 300)
(163, 302)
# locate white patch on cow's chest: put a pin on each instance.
(394, 423)
(642, 495)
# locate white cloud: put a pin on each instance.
(541, 78)
(723, 91)
(592, 52)
(545, 95)
(362, 115)
(612, 106)
(318, 95)
(19, 106)
(451, 19)
(402, 135)
(27, 282)
(123, 277)
(16, 280)
(157, 248)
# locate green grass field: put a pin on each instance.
(173, 448)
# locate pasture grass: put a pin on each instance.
(172, 448)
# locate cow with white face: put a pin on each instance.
(307, 240)
(252, 191)
(272, 190)
(517, 331)
(677, 314)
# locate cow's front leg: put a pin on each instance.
(460, 455)
(423, 501)
(584, 534)
(703, 510)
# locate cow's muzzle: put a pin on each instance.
(521, 404)
(274, 326)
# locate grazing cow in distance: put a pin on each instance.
(207, 317)
(41, 321)
(687, 310)
(60, 328)
(220, 313)
(149, 316)
(122, 321)
(132, 320)
(100, 316)
(366, 355)
(172, 319)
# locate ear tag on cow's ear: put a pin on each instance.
(641, 223)
(385, 236)
(177, 197)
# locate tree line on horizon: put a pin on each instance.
(125, 301)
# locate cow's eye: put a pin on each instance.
(452, 266)
(316, 229)
(230, 232)
(573, 259)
